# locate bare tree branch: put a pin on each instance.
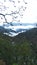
(4, 17)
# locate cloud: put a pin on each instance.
(29, 15)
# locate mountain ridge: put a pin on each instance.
(19, 49)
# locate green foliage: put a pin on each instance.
(18, 50)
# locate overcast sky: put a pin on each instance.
(24, 11)
(29, 15)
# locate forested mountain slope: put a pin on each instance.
(19, 50)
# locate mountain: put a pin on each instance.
(30, 35)
(12, 20)
(12, 29)
(20, 49)
(3, 30)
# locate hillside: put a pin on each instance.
(19, 50)
(30, 35)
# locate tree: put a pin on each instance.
(14, 13)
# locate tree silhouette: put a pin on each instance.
(16, 13)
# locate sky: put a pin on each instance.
(23, 12)
(29, 15)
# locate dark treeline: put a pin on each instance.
(19, 50)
